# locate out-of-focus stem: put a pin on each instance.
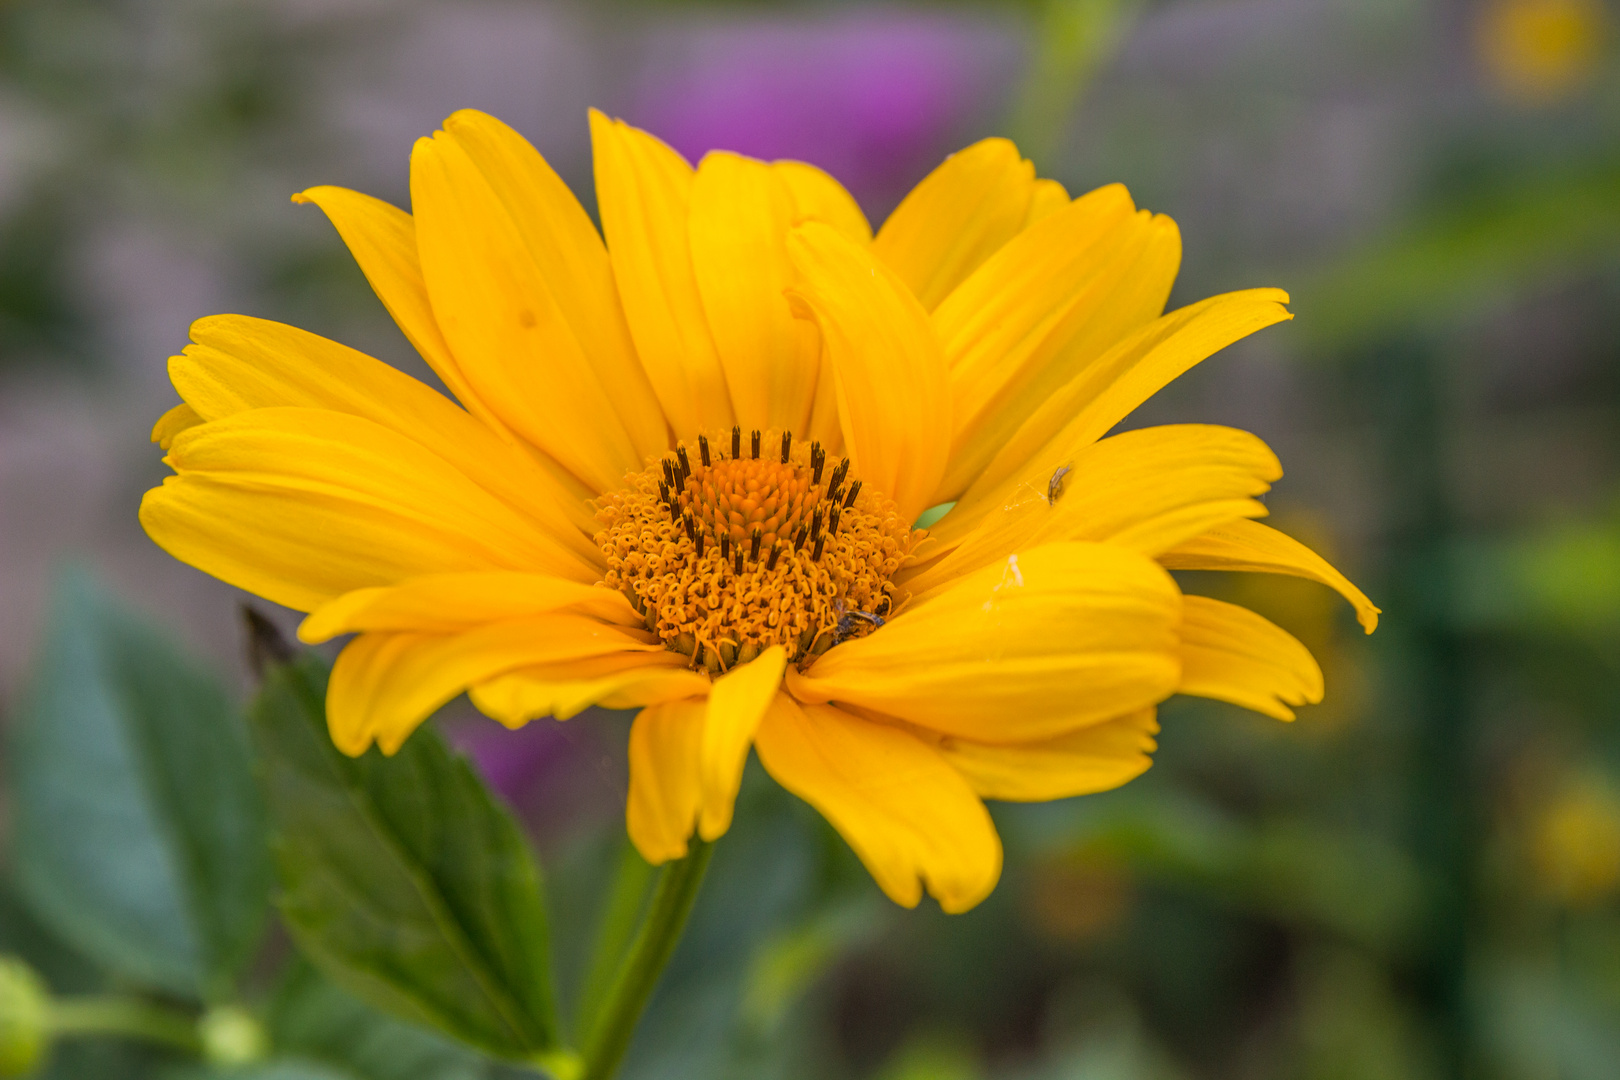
(129, 1017)
(1071, 40)
(660, 932)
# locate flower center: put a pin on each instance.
(758, 542)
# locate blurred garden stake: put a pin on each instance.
(1538, 52)
(1071, 40)
(686, 480)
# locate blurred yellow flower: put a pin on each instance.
(685, 469)
(1576, 842)
(1539, 51)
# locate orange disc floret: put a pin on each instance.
(749, 543)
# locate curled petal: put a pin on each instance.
(910, 817)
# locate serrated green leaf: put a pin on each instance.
(139, 833)
(403, 879)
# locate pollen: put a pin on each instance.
(742, 542)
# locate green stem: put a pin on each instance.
(128, 1017)
(666, 918)
(617, 929)
(1072, 39)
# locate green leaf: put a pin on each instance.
(313, 1020)
(139, 833)
(403, 879)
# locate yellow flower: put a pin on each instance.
(685, 469)
(1539, 51)
(1575, 842)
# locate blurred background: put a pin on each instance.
(1418, 879)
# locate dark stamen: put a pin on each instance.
(703, 448)
(736, 442)
(669, 474)
(815, 556)
(753, 442)
(815, 524)
(834, 494)
(725, 545)
(776, 553)
(674, 511)
(818, 458)
(698, 540)
(663, 492)
(798, 538)
(753, 543)
(787, 444)
(839, 473)
(832, 521)
(691, 526)
(736, 560)
(686, 462)
(854, 490)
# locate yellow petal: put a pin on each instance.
(1147, 490)
(445, 603)
(957, 218)
(1231, 654)
(173, 422)
(665, 791)
(614, 681)
(910, 817)
(1099, 757)
(741, 210)
(1044, 641)
(385, 684)
(819, 197)
(1249, 545)
(568, 252)
(736, 705)
(889, 374)
(238, 363)
(382, 239)
(1047, 197)
(1104, 393)
(506, 324)
(302, 505)
(1041, 310)
(642, 189)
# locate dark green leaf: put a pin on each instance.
(139, 832)
(403, 879)
(316, 1021)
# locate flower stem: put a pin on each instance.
(128, 1017)
(666, 917)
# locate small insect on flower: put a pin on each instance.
(1054, 486)
(846, 621)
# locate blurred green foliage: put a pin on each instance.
(138, 833)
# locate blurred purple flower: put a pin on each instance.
(513, 761)
(557, 776)
(876, 99)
